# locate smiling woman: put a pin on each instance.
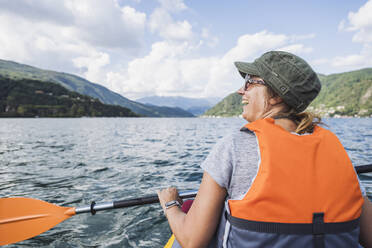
(293, 198)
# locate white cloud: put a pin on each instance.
(160, 72)
(342, 25)
(40, 45)
(42, 11)
(13, 45)
(320, 61)
(162, 23)
(251, 45)
(134, 19)
(92, 38)
(103, 23)
(174, 68)
(362, 18)
(98, 22)
(354, 61)
(295, 38)
(173, 5)
(359, 22)
(296, 48)
(101, 37)
(62, 35)
(348, 62)
(209, 39)
(351, 60)
(93, 65)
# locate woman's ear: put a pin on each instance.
(275, 100)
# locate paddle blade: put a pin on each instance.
(24, 218)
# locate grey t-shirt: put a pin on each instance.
(233, 163)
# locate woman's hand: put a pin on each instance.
(196, 228)
(167, 195)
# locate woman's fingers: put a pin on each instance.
(167, 195)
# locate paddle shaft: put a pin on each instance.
(154, 198)
(363, 168)
(128, 203)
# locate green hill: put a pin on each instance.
(31, 98)
(342, 94)
(348, 93)
(229, 106)
(71, 82)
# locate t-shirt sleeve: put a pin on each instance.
(219, 162)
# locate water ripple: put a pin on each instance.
(71, 162)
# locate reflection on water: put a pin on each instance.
(71, 162)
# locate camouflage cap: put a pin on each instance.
(287, 74)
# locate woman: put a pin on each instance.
(298, 190)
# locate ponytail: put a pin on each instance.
(305, 121)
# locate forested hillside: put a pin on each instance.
(31, 98)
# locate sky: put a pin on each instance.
(186, 48)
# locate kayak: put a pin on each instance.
(170, 242)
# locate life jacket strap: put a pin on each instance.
(319, 228)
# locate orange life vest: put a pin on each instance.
(305, 194)
(300, 175)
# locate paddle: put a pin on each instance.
(24, 218)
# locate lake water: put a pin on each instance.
(71, 162)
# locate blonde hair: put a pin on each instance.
(305, 121)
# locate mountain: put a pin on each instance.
(196, 106)
(342, 94)
(229, 106)
(13, 70)
(171, 111)
(31, 98)
(348, 93)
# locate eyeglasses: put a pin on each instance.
(249, 80)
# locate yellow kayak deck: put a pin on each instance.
(170, 242)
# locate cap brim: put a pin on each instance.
(247, 68)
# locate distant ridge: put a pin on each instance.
(14, 70)
(342, 94)
(196, 106)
